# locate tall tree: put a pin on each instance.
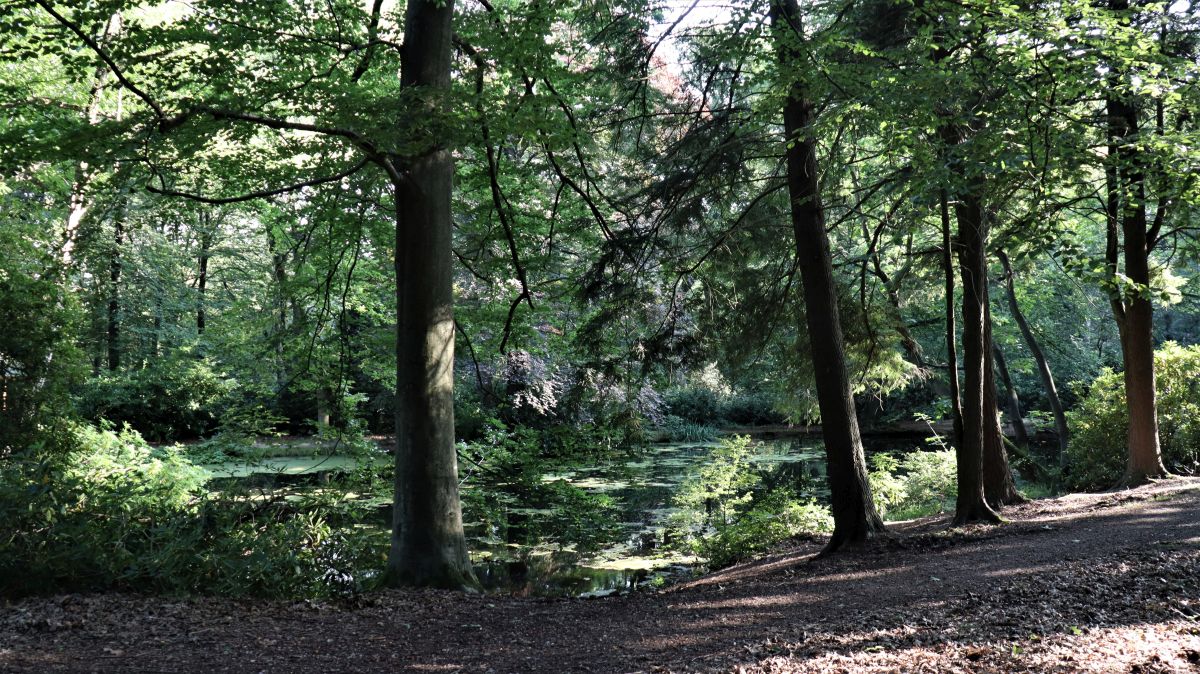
(1127, 222)
(971, 504)
(854, 514)
(1012, 398)
(428, 546)
(206, 243)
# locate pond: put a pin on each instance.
(639, 486)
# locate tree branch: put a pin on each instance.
(104, 56)
(372, 32)
(256, 195)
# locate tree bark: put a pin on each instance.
(971, 505)
(1135, 314)
(114, 291)
(1020, 433)
(956, 413)
(428, 546)
(1039, 357)
(206, 240)
(999, 489)
(854, 514)
(77, 204)
(278, 337)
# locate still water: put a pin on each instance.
(640, 485)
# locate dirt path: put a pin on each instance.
(1102, 582)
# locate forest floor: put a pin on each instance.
(1083, 583)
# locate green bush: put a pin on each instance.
(776, 517)
(723, 516)
(1099, 425)
(104, 510)
(913, 485)
(696, 404)
(750, 409)
(173, 399)
(706, 407)
(38, 360)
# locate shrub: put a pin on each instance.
(105, 510)
(914, 485)
(696, 404)
(173, 399)
(722, 518)
(777, 517)
(1099, 425)
(38, 362)
(750, 409)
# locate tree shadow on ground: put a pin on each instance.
(1067, 582)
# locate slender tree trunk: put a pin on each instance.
(206, 240)
(279, 272)
(156, 342)
(114, 291)
(428, 545)
(854, 514)
(972, 236)
(1135, 314)
(912, 348)
(1039, 357)
(956, 413)
(998, 486)
(77, 204)
(1020, 433)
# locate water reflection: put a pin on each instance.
(642, 486)
(522, 549)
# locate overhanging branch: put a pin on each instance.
(263, 194)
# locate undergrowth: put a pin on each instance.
(104, 510)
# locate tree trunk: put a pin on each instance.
(1020, 433)
(854, 514)
(77, 204)
(912, 348)
(1039, 357)
(114, 291)
(998, 486)
(956, 413)
(428, 546)
(156, 342)
(972, 236)
(206, 240)
(1127, 201)
(279, 272)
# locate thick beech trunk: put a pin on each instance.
(1039, 357)
(998, 486)
(1134, 313)
(428, 546)
(854, 514)
(972, 237)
